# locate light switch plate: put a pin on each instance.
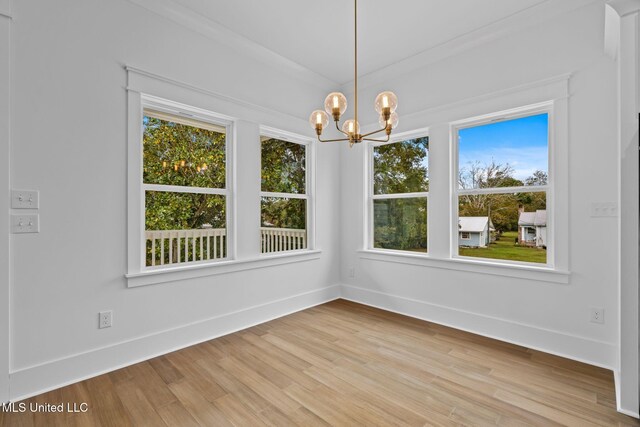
(25, 223)
(25, 199)
(606, 209)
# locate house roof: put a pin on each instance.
(537, 218)
(473, 224)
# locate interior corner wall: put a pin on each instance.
(69, 141)
(628, 59)
(532, 313)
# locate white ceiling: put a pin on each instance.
(319, 34)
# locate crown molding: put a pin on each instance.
(624, 7)
(533, 16)
(193, 21)
(5, 8)
(135, 77)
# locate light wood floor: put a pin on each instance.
(343, 364)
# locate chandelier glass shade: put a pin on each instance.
(335, 105)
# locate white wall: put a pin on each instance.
(551, 316)
(69, 128)
(5, 109)
(69, 142)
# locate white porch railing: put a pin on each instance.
(179, 246)
(202, 244)
(282, 239)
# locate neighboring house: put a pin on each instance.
(532, 228)
(474, 231)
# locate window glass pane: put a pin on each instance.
(184, 227)
(283, 166)
(400, 224)
(175, 153)
(283, 224)
(508, 153)
(401, 167)
(504, 226)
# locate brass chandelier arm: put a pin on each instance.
(377, 140)
(375, 131)
(333, 140)
(340, 130)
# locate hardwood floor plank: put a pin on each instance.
(236, 412)
(204, 412)
(140, 411)
(174, 414)
(342, 363)
(107, 404)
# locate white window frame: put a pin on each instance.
(371, 197)
(513, 114)
(137, 243)
(310, 155)
(462, 234)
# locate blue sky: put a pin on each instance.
(523, 143)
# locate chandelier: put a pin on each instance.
(336, 104)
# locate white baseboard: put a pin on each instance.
(51, 375)
(574, 347)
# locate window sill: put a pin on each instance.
(184, 272)
(545, 274)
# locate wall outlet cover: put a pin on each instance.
(105, 319)
(597, 315)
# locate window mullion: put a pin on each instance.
(400, 196)
(503, 190)
(184, 189)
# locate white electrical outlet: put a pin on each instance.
(25, 199)
(352, 272)
(105, 319)
(597, 315)
(25, 223)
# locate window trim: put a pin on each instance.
(138, 102)
(371, 197)
(310, 181)
(456, 192)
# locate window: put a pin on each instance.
(399, 191)
(284, 206)
(503, 182)
(464, 235)
(184, 183)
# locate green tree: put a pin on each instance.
(182, 155)
(401, 167)
(283, 171)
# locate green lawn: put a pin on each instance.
(505, 248)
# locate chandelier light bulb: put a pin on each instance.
(319, 120)
(335, 104)
(393, 121)
(351, 127)
(386, 101)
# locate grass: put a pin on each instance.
(505, 248)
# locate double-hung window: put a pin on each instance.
(284, 207)
(185, 178)
(398, 194)
(503, 181)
